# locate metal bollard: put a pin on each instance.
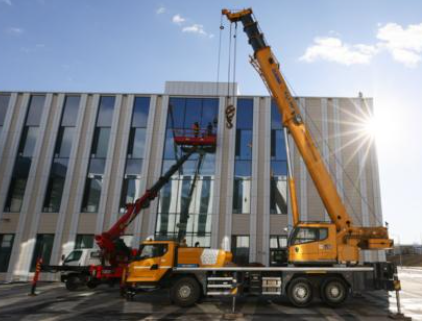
(36, 277)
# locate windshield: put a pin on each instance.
(306, 235)
(151, 251)
(75, 255)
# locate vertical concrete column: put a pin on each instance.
(20, 259)
(158, 162)
(217, 177)
(43, 182)
(57, 249)
(109, 161)
(254, 184)
(5, 132)
(363, 187)
(303, 172)
(15, 135)
(266, 179)
(145, 165)
(338, 148)
(230, 179)
(81, 177)
(325, 148)
(121, 160)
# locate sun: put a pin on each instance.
(371, 127)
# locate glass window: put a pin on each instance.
(64, 141)
(22, 167)
(306, 235)
(244, 118)
(75, 255)
(134, 167)
(43, 248)
(276, 119)
(100, 143)
(243, 144)
(4, 103)
(278, 145)
(84, 241)
(241, 196)
(70, 112)
(137, 142)
(277, 242)
(36, 105)
(131, 190)
(96, 167)
(278, 195)
(92, 195)
(15, 196)
(28, 141)
(176, 115)
(54, 194)
(105, 111)
(193, 112)
(152, 251)
(140, 112)
(6, 245)
(209, 112)
(240, 250)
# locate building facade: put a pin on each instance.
(69, 162)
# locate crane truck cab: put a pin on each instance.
(156, 263)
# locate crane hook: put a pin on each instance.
(230, 111)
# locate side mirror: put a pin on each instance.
(154, 267)
(62, 257)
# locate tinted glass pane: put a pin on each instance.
(28, 141)
(240, 249)
(176, 114)
(278, 168)
(244, 144)
(244, 113)
(97, 166)
(4, 103)
(54, 194)
(15, 196)
(276, 119)
(241, 196)
(278, 145)
(170, 149)
(134, 167)
(36, 104)
(105, 111)
(131, 190)
(209, 112)
(64, 141)
(92, 195)
(43, 248)
(278, 195)
(137, 142)
(243, 168)
(59, 167)
(70, 112)
(84, 241)
(22, 167)
(193, 112)
(100, 144)
(6, 245)
(140, 112)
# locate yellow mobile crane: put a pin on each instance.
(327, 265)
(341, 240)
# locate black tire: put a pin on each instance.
(73, 283)
(91, 284)
(334, 291)
(185, 292)
(300, 292)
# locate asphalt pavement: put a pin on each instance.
(54, 302)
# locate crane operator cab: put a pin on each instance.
(311, 243)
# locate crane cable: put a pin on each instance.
(231, 109)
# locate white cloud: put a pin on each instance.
(14, 30)
(334, 50)
(178, 19)
(8, 2)
(195, 28)
(404, 44)
(160, 10)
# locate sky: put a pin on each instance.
(325, 48)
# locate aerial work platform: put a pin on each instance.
(195, 138)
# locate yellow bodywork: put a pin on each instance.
(152, 269)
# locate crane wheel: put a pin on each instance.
(185, 292)
(300, 292)
(334, 291)
(73, 283)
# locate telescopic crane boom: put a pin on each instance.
(344, 239)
